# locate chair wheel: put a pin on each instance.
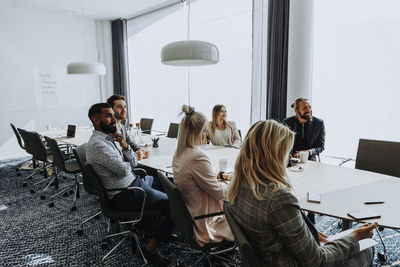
(51, 204)
(70, 192)
(381, 228)
(42, 197)
(104, 245)
(32, 191)
(73, 208)
(19, 174)
(97, 217)
(79, 232)
(30, 178)
(65, 194)
(25, 184)
(52, 184)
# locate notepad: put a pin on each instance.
(364, 244)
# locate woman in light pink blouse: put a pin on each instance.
(197, 182)
(223, 132)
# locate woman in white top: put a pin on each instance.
(197, 182)
(223, 132)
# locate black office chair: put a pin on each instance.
(173, 130)
(146, 125)
(21, 145)
(183, 220)
(80, 156)
(378, 156)
(131, 218)
(69, 166)
(28, 150)
(249, 257)
(34, 144)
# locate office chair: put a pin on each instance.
(173, 130)
(146, 125)
(34, 144)
(249, 257)
(21, 145)
(80, 156)
(183, 220)
(60, 164)
(131, 218)
(378, 156)
(28, 150)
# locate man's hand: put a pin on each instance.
(297, 154)
(364, 231)
(121, 140)
(139, 154)
(323, 237)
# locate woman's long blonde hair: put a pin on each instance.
(215, 112)
(262, 159)
(190, 129)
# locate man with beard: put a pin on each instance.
(118, 105)
(112, 159)
(310, 131)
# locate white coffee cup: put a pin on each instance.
(48, 127)
(223, 165)
(303, 155)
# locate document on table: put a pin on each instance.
(364, 244)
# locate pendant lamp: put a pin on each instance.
(189, 52)
(94, 68)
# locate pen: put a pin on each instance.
(373, 202)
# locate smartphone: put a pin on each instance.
(314, 197)
(363, 215)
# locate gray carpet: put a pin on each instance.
(33, 234)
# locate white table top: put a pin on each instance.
(344, 190)
(82, 135)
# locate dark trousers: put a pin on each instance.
(132, 200)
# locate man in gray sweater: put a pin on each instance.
(113, 159)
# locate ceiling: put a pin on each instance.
(92, 9)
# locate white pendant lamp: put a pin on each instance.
(189, 52)
(94, 68)
(86, 68)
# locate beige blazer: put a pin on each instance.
(203, 194)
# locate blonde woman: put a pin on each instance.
(197, 181)
(269, 214)
(223, 132)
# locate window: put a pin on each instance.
(158, 91)
(355, 72)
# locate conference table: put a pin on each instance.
(342, 189)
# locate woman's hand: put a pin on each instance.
(364, 231)
(323, 237)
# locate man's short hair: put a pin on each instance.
(97, 109)
(112, 98)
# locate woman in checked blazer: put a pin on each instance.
(270, 215)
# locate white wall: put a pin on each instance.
(35, 48)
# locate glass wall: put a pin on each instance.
(355, 72)
(158, 91)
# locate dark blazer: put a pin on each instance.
(315, 137)
(280, 236)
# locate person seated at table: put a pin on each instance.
(112, 159)
(310, 130)
(197, 182)
(222, 132)
(118, 105)
(269, 214)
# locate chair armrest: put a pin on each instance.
(123, 188)
(208, 215)
(140, 172)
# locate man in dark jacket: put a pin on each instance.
(310, 131)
